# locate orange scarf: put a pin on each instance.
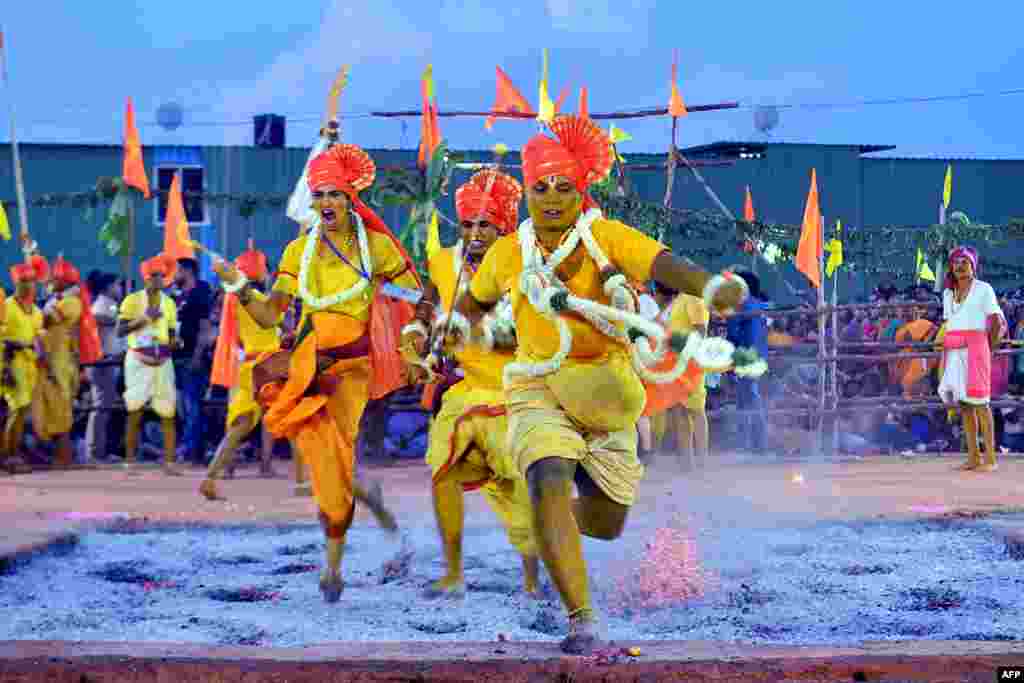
(225, 355)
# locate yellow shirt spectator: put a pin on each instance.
(156, 333)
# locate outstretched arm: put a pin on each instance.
(266, 312)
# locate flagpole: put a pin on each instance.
(19, 180)
(823, 371)
(835, 364)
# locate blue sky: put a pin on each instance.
(225, 60)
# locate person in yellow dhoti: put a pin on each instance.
(148, 318)
(346, 351)
(574, 396)
(240, 332)
(22, 356)
(467, 448)
(71, 337)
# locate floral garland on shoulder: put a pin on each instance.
(620, 321)
(319, 303)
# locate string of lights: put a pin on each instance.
(307, 117)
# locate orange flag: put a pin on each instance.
(133, 171)
(508, 98)
(561, 98)
(430, 130)
(176, 237)
(583, 110)
(809, 251)
(748, 208)
(675, 103)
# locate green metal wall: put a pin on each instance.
(858, 189)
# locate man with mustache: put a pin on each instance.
(467, 449)
(148, 318)
(974, 327)
(315, 393)
(574, 396)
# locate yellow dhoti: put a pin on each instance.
(586, 411)
(322, 420)
(468, 443)
(242, 401)
(26, 376)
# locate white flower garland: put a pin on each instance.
(716, 283)
(319, 303)
(458, 321)
(236, 287)
(540, 284)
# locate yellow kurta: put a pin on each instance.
(587, 410)
(468, 435)
(255, 340)
(330, 449)
(145, 384)
(23, 327)
(53, 401)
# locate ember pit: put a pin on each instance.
(824, 583)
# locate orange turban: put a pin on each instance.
(90, 349)
(158, 265)
(346, 167)
(41, 267)
(252, 263)
(580, 151)
(499, 203)
(23, 272)
(64, 271)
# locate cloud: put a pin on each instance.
(599, 16)
(296, 81)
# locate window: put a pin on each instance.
(191, 189)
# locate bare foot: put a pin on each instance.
(987, 467)
(583, 638)
(209, 490)
(331, 586)
(171, 471)
(966, 467)
(447, 587)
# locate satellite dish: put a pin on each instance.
(170, 115)
(766, 118)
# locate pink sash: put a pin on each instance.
(979, 359)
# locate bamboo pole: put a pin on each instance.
(822, 352)
(835, 365)
(615, 115)
(670, 174)
(19, 179)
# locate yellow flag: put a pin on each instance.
(5, 227)
(545, 107)
(947, 186)
(835, 251)
(618, 135)
(433, 236)
(924, 271)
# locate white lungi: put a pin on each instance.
(149, 385)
